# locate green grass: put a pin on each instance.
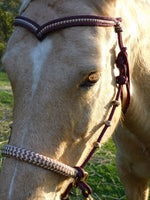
(103, 177)
(4, 80)
(6, 104)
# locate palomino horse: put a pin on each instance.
(63, 87)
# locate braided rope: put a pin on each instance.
(80, 20)
(38, 160)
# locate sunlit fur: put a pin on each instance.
(56, 117)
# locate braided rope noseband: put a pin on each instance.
(123, 79)
(39, 160)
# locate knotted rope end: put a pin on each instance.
(79, 182)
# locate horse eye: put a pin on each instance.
(92, 78)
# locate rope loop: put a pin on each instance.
(79, 182)
(122, 65)
(84, 187)
(80, 173)
(124, 76)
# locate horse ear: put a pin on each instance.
(24, 5)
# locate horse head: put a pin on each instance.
(63, 89)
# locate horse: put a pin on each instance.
(63, 88)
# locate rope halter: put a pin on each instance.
(77, 173)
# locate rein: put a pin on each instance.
(77, 173)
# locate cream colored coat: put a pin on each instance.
(56, 117)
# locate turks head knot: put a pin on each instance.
(121, 80)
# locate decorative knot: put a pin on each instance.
(121, 59)
(118, 28)
(97, 145)
(80, 182)
(108, 123)
(116, 103)
(84, 187)
(121, 80)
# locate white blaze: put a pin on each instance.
(39, 56)
(12, 181)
